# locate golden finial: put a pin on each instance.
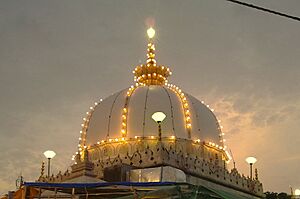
(150, 73)
(151, 48)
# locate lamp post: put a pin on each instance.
(297, 192)
(159, 117)
(251, 161)
(49, 155)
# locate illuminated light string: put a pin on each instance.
(171, 138)
(211, 144)
(81, 145)
(185, 105)
(218, 147)
(188, 117)
(183, 98)
(125, 111)
(123, 139)
(222, 134)
(151, 74)
(220, 127)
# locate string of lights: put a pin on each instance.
(265, 9)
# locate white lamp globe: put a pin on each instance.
(49, 154)
(158, 117)
(251, 160)
(297, 192)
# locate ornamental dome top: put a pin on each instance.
(151, 73)
(127, 114)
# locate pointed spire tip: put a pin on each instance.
(151, 32)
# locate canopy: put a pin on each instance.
(128, 190)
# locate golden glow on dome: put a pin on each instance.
(151, 33)
(151, 73)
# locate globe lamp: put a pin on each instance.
(297, 192)
(251, 161)
(159, 117)
(49, 155)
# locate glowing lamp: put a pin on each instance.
(151, 33)
(158, 117)
(251, 161)
(297, 192)
(49, 155)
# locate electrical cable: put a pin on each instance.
(265, 10)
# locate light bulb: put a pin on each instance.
(151, 32)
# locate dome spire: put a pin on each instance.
(150, 73)
(151, 48)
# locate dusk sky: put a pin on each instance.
(58, 57)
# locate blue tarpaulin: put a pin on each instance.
(97, 184)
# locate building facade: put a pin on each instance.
(153, 132)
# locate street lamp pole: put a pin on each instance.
(49, 166)
(159, 131)
(251, 165)
(159, 117)
(251, 161)
(49, 155)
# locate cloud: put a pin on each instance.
(266, 129)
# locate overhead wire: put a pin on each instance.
(265, 9)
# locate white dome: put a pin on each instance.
(105, 121)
